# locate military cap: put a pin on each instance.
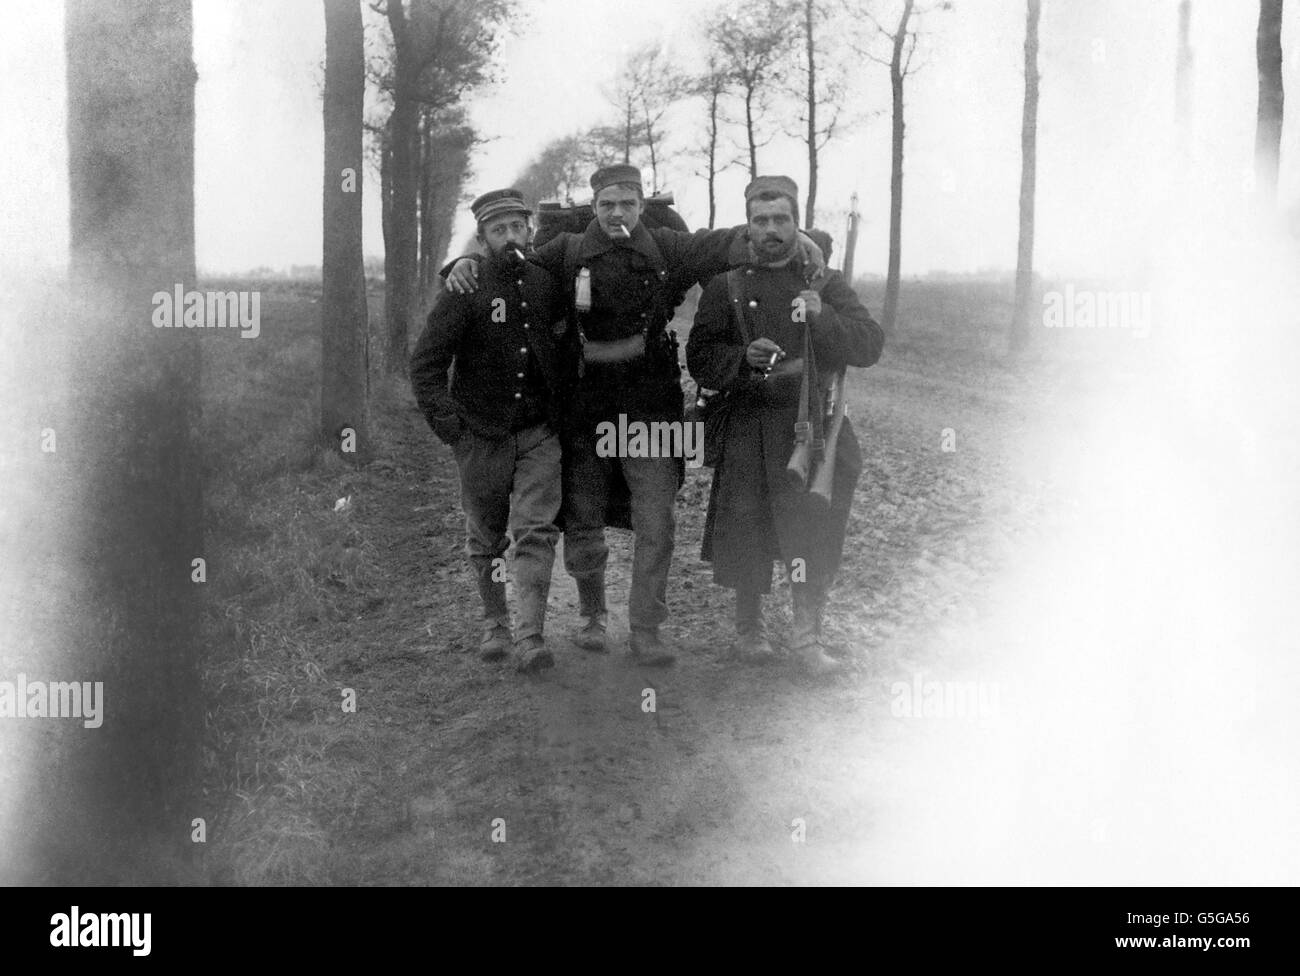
(609, 175)
(783, 185)
(497, 202)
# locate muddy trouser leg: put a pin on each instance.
(486, 473)
(653, 483)
(748, 611)
(586, 492)
(535, 502)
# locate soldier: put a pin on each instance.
(500, 418)
(623, 283)
(748, 342)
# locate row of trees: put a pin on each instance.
(787, 60)
(424, 59)
(789, 67)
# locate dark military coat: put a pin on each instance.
(634, 284)
(494, 360)
(754, 515)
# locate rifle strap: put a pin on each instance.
(736, 292)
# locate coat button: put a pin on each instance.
(523, 304)
(520, 282)
(519, 396)
(520, 375)
(749, 271)
(753, 303)
(523, 350)
(525, 325)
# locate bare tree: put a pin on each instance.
(557, 173)
(440, 50)
(344, 317)
(819, 85)
(902, 36)
(130, 127)
(446, 141)
(712, 85)
(624, 134)
(1028, 179)
(753, 45)
(1268, 119)
(660, 87)
(644, 90)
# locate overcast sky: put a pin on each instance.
(1104, 137)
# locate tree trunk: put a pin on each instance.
(627, 135)
(1183, 84)
(749, 132)
(400, 256)
(131, 536)
(1028, 177)
(428, 192)
(713, 156)
(1268, 121)
(896, 77)
(654, 159)
(344, 319)
(810, 209)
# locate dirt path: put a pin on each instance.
(738, 775)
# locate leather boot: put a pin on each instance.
(806, 638)
(648, 649)
(591, 636)
(751, 643)
(495, 642)
(531, 655)
(531, 606)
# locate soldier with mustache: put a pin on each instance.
(748, 342)
(623, 283)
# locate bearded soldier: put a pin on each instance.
(622, 283)
(500, 417)
(748, 342)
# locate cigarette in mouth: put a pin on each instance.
(622, 229)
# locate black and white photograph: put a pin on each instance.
(671, 443)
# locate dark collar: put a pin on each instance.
(596, 242)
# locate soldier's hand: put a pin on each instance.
(760, 353)
(463, 279)
(812, 304)
(810, 254)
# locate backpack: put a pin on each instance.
(553, 218)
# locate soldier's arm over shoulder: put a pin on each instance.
(550, 255)
(702, 254)
(845, 334)
(431, 360)
(715, 349)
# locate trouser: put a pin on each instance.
(809, 603)
(511, 484)
(653, 486)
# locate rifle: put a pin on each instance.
(823, 480)
(809, 445)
